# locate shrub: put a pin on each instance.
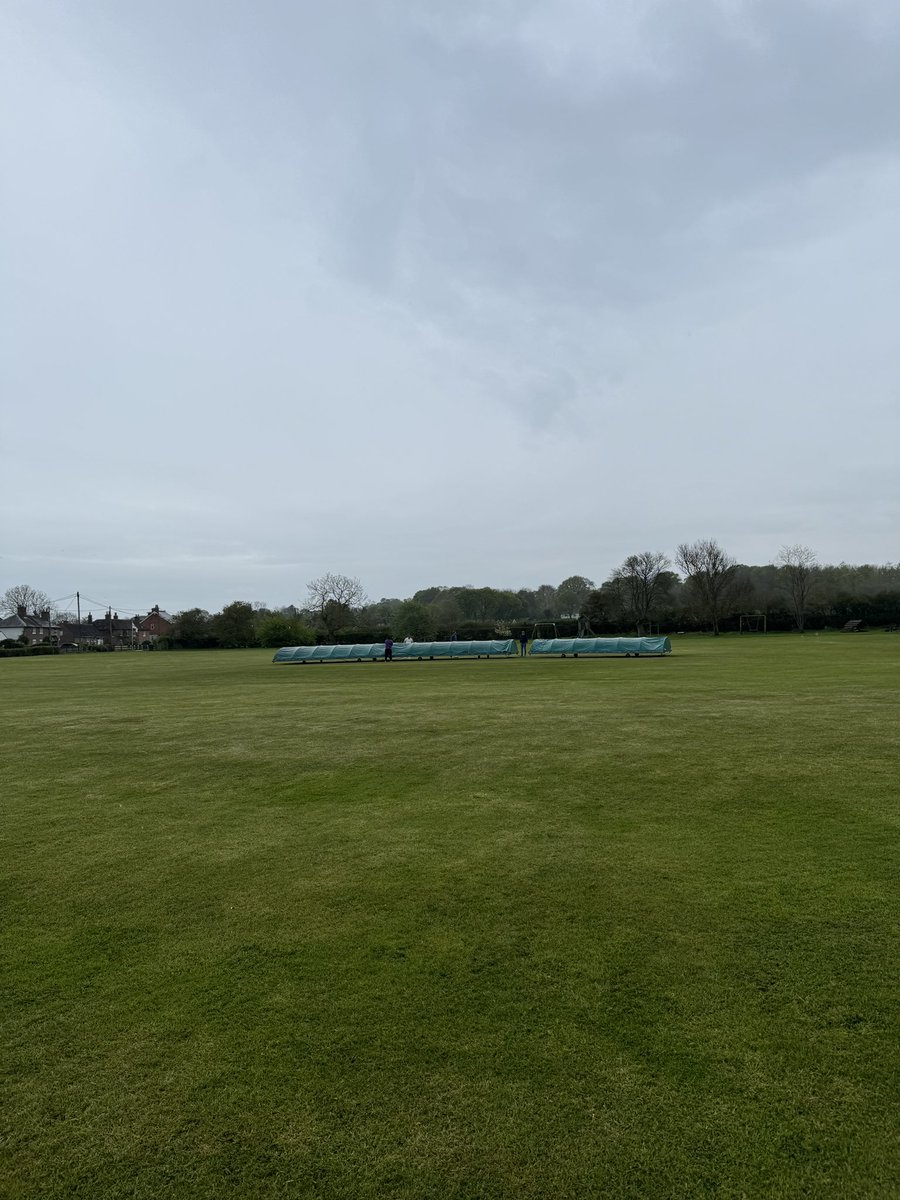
(277, 630)
(362, 635)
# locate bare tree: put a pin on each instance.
(799, 570)
(710, 575)
(642, 579)
(332, 598)
(23, 595)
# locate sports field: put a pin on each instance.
(621, 928)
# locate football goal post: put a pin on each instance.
(752, 623)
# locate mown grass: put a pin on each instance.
(489, 929)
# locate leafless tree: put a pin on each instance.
(332, 598)
(23, 594)
(799, 570)
(710, 575)
(642, 579)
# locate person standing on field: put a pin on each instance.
(523, 644)
(388, 650)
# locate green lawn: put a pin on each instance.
(525, 929)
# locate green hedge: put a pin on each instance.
(16, 651)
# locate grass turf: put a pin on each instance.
(555, 928)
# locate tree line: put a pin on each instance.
(710, 591)
(701, 587)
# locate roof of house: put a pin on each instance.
(29, 621)
(115, 621)
(75, 632)
(156, 612)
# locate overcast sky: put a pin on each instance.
(474, 292)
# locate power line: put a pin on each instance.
(129, 612)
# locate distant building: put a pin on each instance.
(86, 634)
(119, 633)
(32, 628)
(155, 625)
(12, 628)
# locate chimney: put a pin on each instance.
(45, 615)
(20, 610)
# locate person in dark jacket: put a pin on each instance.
(388, 650)
(523, 644)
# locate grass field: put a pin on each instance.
(569, 928)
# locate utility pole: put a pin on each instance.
(78, 602)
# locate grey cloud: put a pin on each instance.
(368, 287)
(540, 183)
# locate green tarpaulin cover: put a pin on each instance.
(621, 645)
(415, 650)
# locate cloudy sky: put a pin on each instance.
(476, 292)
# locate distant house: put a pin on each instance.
(11, 629)
(32, 628)
(119, 633)
(155, 625)
(86, 634)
